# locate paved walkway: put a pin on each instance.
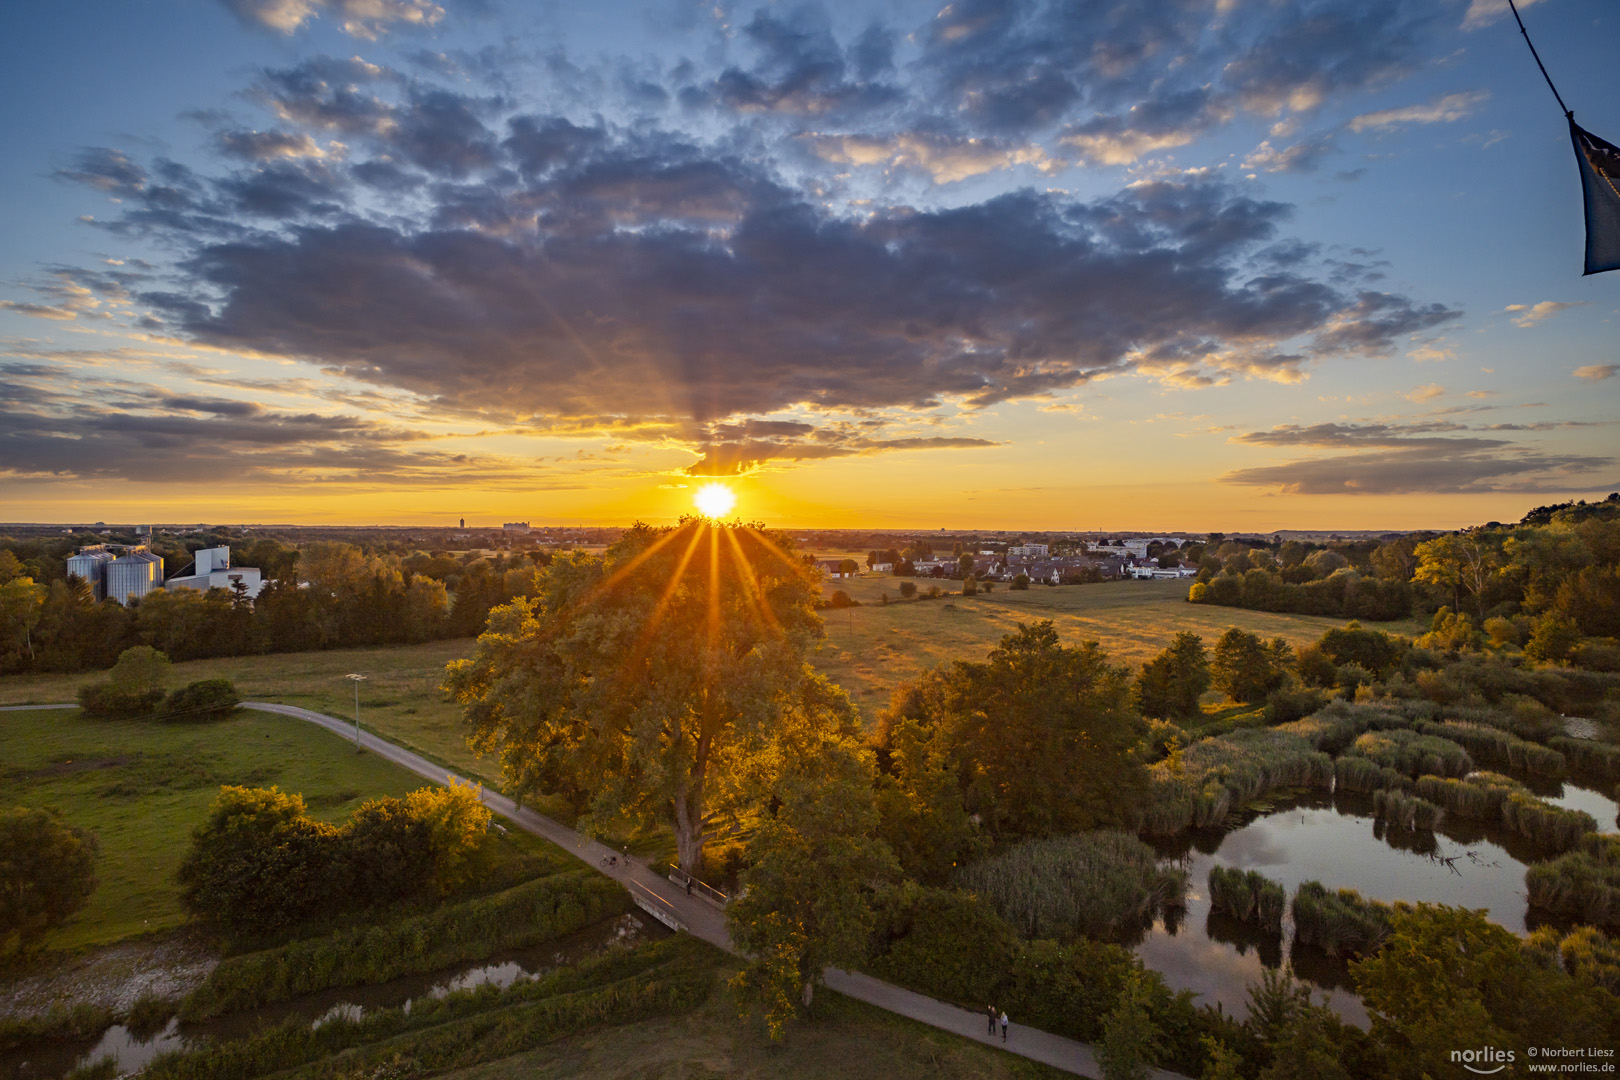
(670, 904)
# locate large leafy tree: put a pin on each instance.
(1246, 669)
(814, 863)
(47, 872)
(1172, 682)
(1038, 736)
(643, 681)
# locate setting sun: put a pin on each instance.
(714, 500)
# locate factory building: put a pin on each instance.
(212, 570)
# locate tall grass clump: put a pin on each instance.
(1094, 884)
(1595, 758)
(526, 915)
(1583, 885)
(1247, 896)
(1488, 796)
(1479, 798)
(1542, 823)
(1498, 747)
(1339, 923)
(1403, 811)
(1585, 952)
(1204, 783)
(1413, 754)
(1353, 773)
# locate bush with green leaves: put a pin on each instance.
(205, 699)
(260, 864)
(1096, 884)
(47, 872)
(1169, 685)
(134, 687)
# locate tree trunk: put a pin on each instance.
(688, 806)
(809, 993)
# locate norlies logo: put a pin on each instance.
(1484, 1061)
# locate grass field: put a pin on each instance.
(847, 1038)
(400, 698)
(142, 788)
(871, 649)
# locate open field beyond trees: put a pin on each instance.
(142, 787)
(869, 650)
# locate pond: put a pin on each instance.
(131, 1051)
(1334, 839)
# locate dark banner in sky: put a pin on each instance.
(1600, 182)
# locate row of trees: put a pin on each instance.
(260, 863)
(1563, 559)
(332, 595)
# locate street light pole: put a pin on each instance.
(358, 679)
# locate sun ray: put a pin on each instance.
(750, 580)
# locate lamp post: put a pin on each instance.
(358, 679)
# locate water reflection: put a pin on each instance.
(1331, 838)
(132, 1051)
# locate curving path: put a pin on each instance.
(670, 904)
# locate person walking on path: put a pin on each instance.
(1003, 1025)
(990, 1014)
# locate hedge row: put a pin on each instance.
(526, 915)
(469, 1026)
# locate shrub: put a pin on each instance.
(1413, 754)
(47, 872)
(1583, 884)
(1403, 811)
(1095, 884)
(1339, 923)
(1248, 896)
(103, 701)
(531, 913)
(1586, 953)
(206, 699)
(1293, 703)
(908, 589)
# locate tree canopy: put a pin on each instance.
(641, 682)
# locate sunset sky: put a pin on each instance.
(1195, 264)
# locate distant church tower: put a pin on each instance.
(463, 523)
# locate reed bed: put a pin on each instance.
(1408, 752)
(1595, 758)
(1583, 884)
(1214, 777)
(1549, 826)
(1353, 773)
(1403, 811)
(1095, 884)
(1498, 747)
(1333, 729)
(1248, 896)
(1488, 796)
(1339, 923)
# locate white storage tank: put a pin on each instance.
(134, 574)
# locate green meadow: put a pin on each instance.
(142, 787)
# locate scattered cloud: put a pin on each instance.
(1596, 372)
(1445, 471)
(1442, 110)
(1484, 12)
(1528, 315)
(367, 19)
(1426, 393)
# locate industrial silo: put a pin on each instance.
(134, 573)
(90, 564)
